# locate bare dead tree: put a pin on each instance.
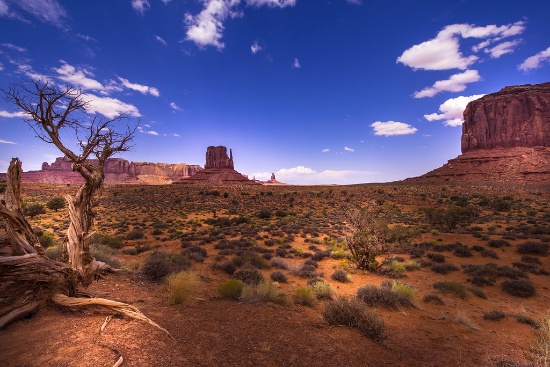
(27, 278)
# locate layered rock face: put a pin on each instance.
(218, 170)
(517, 116)
(505, 139)
(117, 171)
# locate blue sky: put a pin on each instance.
(317, 91)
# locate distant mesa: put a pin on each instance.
(117, 171)
(273, 181)
(218, 170)
(505, 138)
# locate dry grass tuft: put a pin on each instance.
(181, 285)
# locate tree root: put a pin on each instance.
(123, 308)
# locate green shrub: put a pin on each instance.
(107, 240)
(303, 296)
(266, 291)
(494, 315)
(519, 287)
(352, 313)
(180, 286)
(56, 203)
(34, 209)
(160, 264)
(412, 265)
(135, 234)
(403, 288)
(382, 296)
(105, 254)
(47, 239)
(231, 289)
(396, 268)
(456, 288)
(255, 260)
(341, 275)
(322, 290)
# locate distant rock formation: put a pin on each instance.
(505, 138)
(218, 170)
(117, 171)
(273, 181)
(517, 116)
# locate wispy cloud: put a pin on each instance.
(443, 52)
(296, 64)
(502, 48)
(456, 83)
(78, 77)
(141, 6)
(326, 150)
(12, 114)
(255, 47)
(109, 107)
(161, 40)
(349, 149)
(392, 128)
(174, 106)
(14, 47)
(47, 11)
(143, 89)
(535, 61)
(271, 3)
(354, 2)
(452, 110)
(2, 141)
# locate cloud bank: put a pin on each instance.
(452, 110)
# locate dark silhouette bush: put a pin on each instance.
(519, 287)
(160, 264)
(382, 296)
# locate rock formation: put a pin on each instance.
(117, 171)
(218, 170)
(505, 138)
(516, 116)
(273, 181)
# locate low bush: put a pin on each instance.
(498, 243)
(160, 264)
(266, 291)
(231, 289)
(135, 234)
(105, 254)
(494, 315)
(519, 287)
(438, 258)
(303, 296)
(180, 286)
(322, 290)
(382, 296)
(277, 262)
(278, 276)
(456, 288)
(255, 260)
(533, 248)
(526, 320)
(433, 298)
(403, 288)
(352, 313)
(54, 252)
(341, 275)
(463, 251)
(249, 275)
(412, 265)
(443, 268)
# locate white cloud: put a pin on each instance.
(443, 52)
(141, 6)
(1, 66)
(271, 3)
(4, 10)
(12, 114)
(296, 64)
(143, 89)
(354, 2)
(535, 61)
(456, 83)
(392, 128)
(300, 170)
(349, 149)
(161, 40)
(166, 1)
(86, 37)
(502, 48)
(78, 77)
(151, 132)
(326, 150)
(109, 107)
(6, 142)
(48, 11)
(175, 135)
(206, 28)
(306, 176)
(175, 106)
(255, 47)
(452, 110)
(29, 72)
(14, 47)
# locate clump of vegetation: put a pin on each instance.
(135, 234)
(456, 288)
(438, 258)
(526, 320)
(107, 240)
(533, 248)
(498, 243)
(494, 315)
(231, 289)
(541, 347)
(519, 287)
(180, 286)
(56, 203)
(433, 298)
(341, 275)
(405, 289)
(249, 275)
(266, 291)
(105, 254)
(464, 319)
(382, 296)
(303, 296)
(352, 313)
(322, 290)
(278, 276)
(34, 209)
(443, 268)
(159, 264)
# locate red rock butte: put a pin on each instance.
(218, 170)
(505, 139)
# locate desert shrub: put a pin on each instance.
(135, 234)
(105, 254)
(352, 313)
(443, 268)
(433, 298)
(270, 242)
(195, 252)
(255, 260)
(450, 218)
(341, 275)
(541, 347)
(463, 251)
(396, 268)
(160, 264)
(180, 286)
(494, 315)
(382, 296)
(531, 259)
(303, 296)
(34, 209)
(533, 248)
(156, 232)
(231, 289)
(519, 287)
(526, 320)
(498, 243)
(438, 258)
(277, 262)
(54, 252)
(47, 239)
(249, 275)
(264, 214)
(412, 265)
(464, 319)
(266, 291)
(278, 276)
(107, 240)
(56, 203)
(489, 253)
(306, 270)
(132, 250)
(478, 292)
(403, 288)
(456, 288)
(322, 290)
(228, 266)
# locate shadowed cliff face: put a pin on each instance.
(517, 116)
(216, 157)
